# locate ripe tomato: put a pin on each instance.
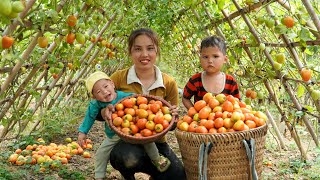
(134, 129)
(165, 124)
(158, 128)
(204, 112)
(7, 42)
(146, 132)
(227, 106)
(130, 111)
(142, 100)
(209, 124)
(70, 38)
(222, 130)
(253, 95)
(187, 119)
(126, 130)
(43, 42)
(159, 118)
(213, 103)
(251, 124)
(117, 121)
(199, 105)
(154, 107)
(141, 123)
(72, 20)
(128, 103)
(207, 97)
(150, 125)
(218, 123)
(288, 21)
(305, 74)
(192, 127)
(248, 93)
(238, 126)
(201, 129)
(213, 130)
(192, 111)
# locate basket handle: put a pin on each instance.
(204, 151)
(251, 151)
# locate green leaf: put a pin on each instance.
(310, 108)
(300, 91)
(221, 4)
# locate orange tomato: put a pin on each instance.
(209, 124)
(199, 105)
(154, 107)
(201, 129)
(204, 112)
(128, 103)
(222, 130)
(150, 125)
(305, 74)
(213, 103)
(213, 130)
(238, 126)
(158, 128)
(146, 132)
(288, 21)
(165, 124)
(218, 123)
(70, 38)
(72, 20)
(142, 100)
(207, 97)
(227, 106)
(192, 127)
(192, 111)
(251, 124)
(7, 42)
(141, 123)
(134, 128)
(43, 42)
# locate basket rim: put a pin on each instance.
(225, 133)
(142, 140)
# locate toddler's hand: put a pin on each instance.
(82, 139)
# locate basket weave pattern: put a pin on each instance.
(227, 159)
(143, 140)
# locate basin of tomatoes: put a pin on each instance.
(141, 118)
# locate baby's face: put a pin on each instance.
(103, 90)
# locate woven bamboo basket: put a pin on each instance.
(227, 158)
(143, 140)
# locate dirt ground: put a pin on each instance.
(275, 160)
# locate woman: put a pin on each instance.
(145, 78)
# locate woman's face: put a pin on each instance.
(143, 52)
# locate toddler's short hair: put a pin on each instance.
(214, 41)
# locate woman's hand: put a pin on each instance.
(174, 110)
(82, 139)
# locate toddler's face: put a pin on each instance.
(103, 90)
(212, 59)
